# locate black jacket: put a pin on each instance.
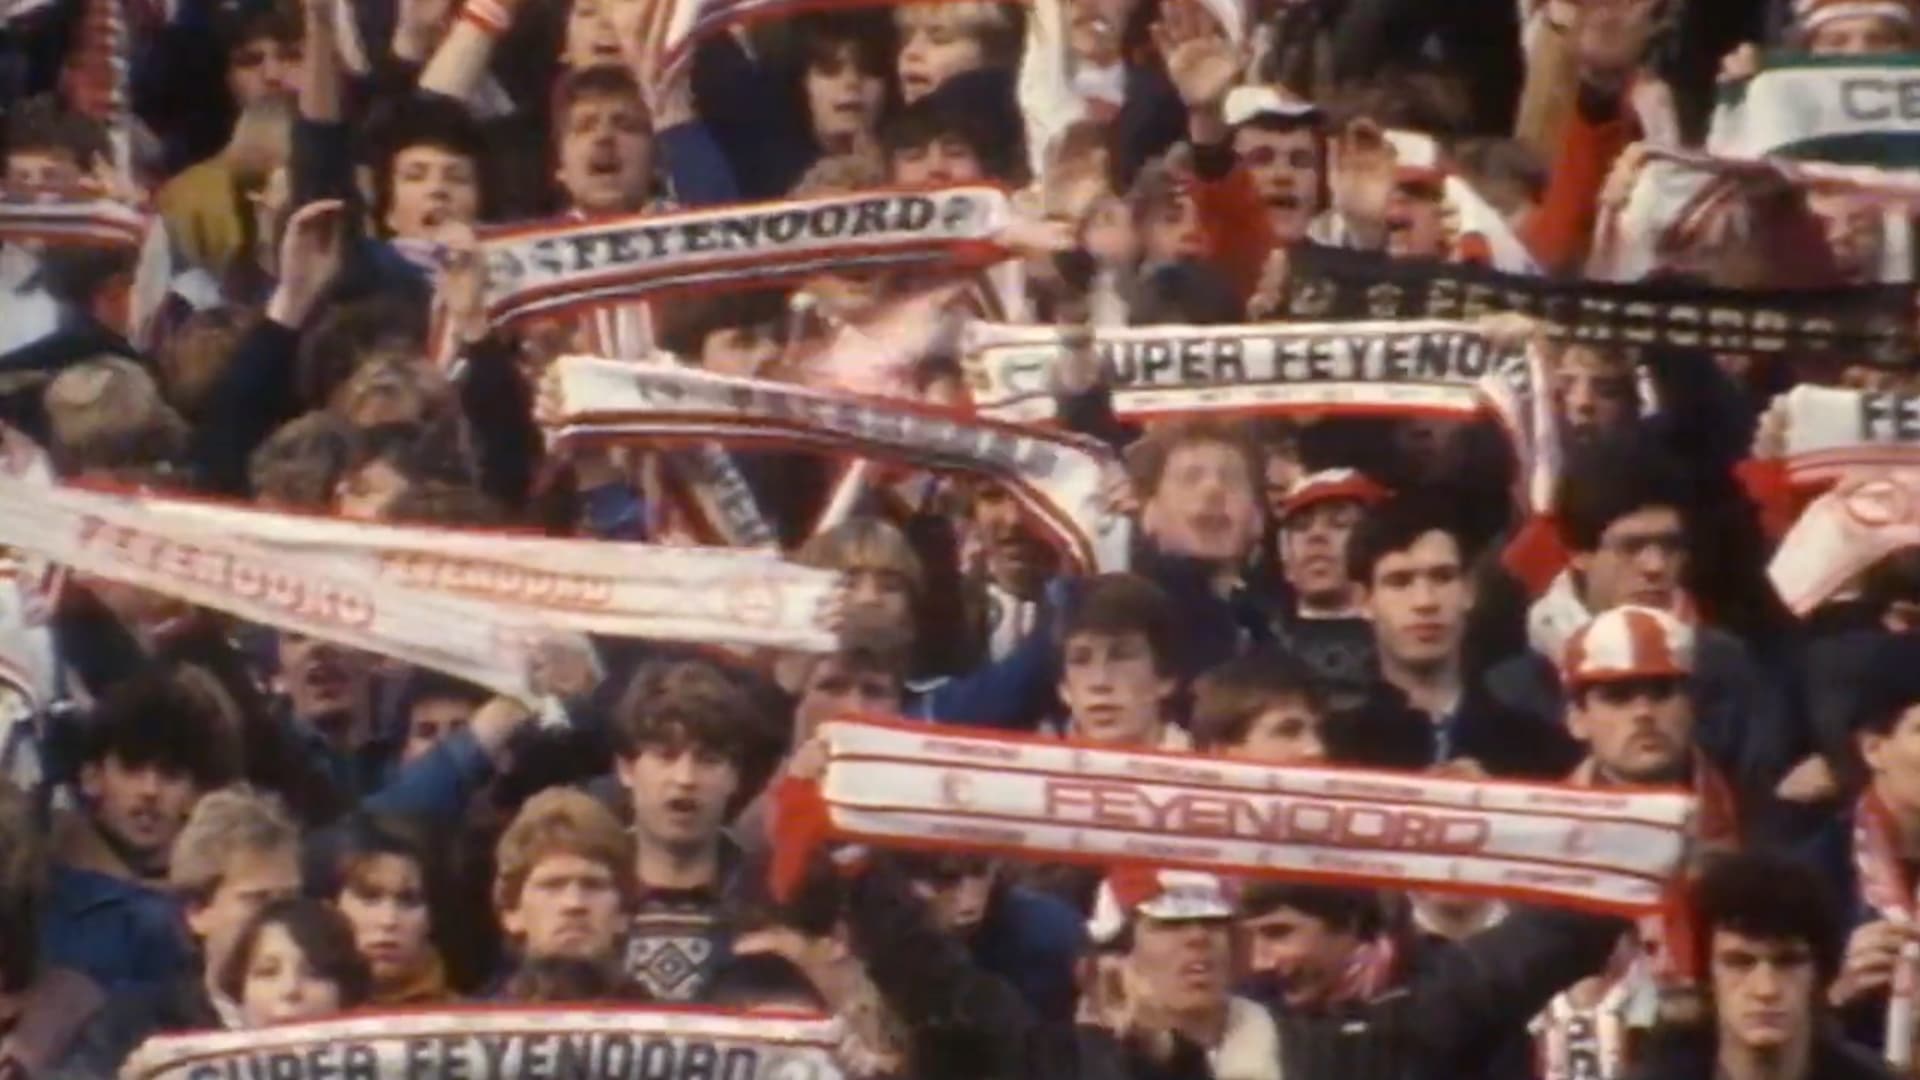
(1690, 1056)
(129, 1019)
(1387, 732)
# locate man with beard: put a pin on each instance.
(1322, 622)
(1015, 565)
(152, 746)
(691, 747)
(1410, 563)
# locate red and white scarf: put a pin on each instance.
(75, 222)
(471, 604)
(1057, 477)
(570, 265)
(909, 785)
(1869, 515)
(1885, 886)
(521, 1041)
(1400, 369)
(1831, 431)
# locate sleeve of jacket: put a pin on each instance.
(255, 394)
(699, 171)
(499, 409)
(1015, 692)
(438, 786)
(1502, 977)
(1232, 217)
(1561, 230)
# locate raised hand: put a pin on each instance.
(463, 282)
(1610, 37)
(311, 254)
(642, 28)
(1200, 60)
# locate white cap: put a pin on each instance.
(1170, 895)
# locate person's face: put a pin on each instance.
(606, 154)
(1638, 730)
(1305, 954)
(432, 185)
(367, 493)
(1858, 35)
(1113, 688)
(1205, 506)
(1418, 600)
(281, 986)
(1416, 223)
(42, 169)
(835, 687)
(1313, 549)
(1172, 230)
(1894, 759)
(680, 794)
(1017, 559)
(1639, 560)
(319, 677)
(843, 101)
(568, 908)
(1182, 966)
(263, 66)
(948, 159)
(1853, 230)
(250, 880)
(1285, 169)
(431, 721)
(385, 901)
(592, 39)
(1594, 390)
(1763, 990)
(884, 595)
(1110, 235)
(934, 47)
(958, 901)
(1094, 30)
(745, 351)
(1288, 733)
(142, 806)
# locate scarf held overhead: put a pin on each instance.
(1868, 516)
(1831, 432)
(562, 265)
(523, 1043)
(1861, 324)
(1057, 477)
(1850, 110)
(904, 785)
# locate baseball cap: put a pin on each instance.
(1246, 103)
(1169, 895)
(1628, 642)
(1812, 14)
(1330, 484)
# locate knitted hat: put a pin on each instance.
(1628, 642)
(1328, 485)
(1813, 14)
(1169, 895)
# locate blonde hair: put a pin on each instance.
(997, 26)
(232, 819)
(865, 543)
(559, 821)
(106, 412)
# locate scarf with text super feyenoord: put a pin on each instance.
(527, 1043)
(1851, 110)
(1860, 324)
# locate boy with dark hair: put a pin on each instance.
(736, 334)
(151, 748)
(1409, 560)
(1767, 934)
(933, 142)
(430, 170)
(1282, 145)
(1302, 940)
(1622, 510)
(1265, 706)
(691, 747)
(1117, 646)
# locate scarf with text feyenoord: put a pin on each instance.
(521, 1043)
(571, 265)
(1850, 110)
(1057, 477)
(1407, 369)
(1861, 324)
(899, 784)
(473, 605)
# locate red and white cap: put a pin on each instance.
(1628, 642)
(1168, 895)
(1328, 485)
(1813, 14)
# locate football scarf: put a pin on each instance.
(478, 1041)
(1859, 324)
(1884, 885)
(913, 786)
(1057, 477)
(1866, 517)
(1846, 109)
(1831, 432)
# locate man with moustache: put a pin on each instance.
(1015, 564)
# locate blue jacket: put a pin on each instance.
(1031, 940)
(119, 933)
